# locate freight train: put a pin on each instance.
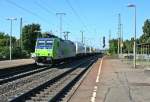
(54, 50)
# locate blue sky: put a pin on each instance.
(94, 17)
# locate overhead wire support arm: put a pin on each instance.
(60, 15)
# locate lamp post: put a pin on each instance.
(10, 44)
(21, 33)
(134, 6)
(121, 39)
(119, 33)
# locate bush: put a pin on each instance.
(4, 53)
(25, 54)
(16, 53)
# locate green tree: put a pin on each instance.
(29, 35)
(5, 40)
(145, 38)
(128, 46)
(49, 35)
(113, 46)
(4, 46)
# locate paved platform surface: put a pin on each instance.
(13, 63)
(117, 82)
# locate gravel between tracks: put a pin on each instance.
(51, 91)
(56, 90)
(15, 88)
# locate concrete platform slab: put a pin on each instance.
(119, 82)
(14, 63)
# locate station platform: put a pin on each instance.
(15, 63)
(111, 80)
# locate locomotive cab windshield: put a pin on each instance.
(48, 44)
(44, 48)
(40, 43)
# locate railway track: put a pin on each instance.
(56, 91)
(27, 70)
(21, 75)
(23, 86)
(53, 90)
(8, 74)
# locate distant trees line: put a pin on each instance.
(128, 44)
(29, 34)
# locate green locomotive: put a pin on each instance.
(49, 50)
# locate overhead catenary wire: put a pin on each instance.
(47, 5)
(44, 8)
(85, 17)
(49, 9)
(50, 12)
(26, 10)
(77, 15)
